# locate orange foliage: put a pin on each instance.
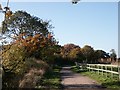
(32, 43)
(49, 36)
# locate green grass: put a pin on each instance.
(51, 79)
(108, 82)
(103, 80)
(77, 69)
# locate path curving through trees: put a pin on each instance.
(70, 80)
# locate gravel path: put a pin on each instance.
(74, 80)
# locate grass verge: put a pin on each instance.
(51, 79)
(108, 82)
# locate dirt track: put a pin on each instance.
(74, 80)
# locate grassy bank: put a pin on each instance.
(108, 82)
(51, 79)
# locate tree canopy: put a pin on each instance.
(88, 52)
(22, 22)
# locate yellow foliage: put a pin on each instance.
(13, 59)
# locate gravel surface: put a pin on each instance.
(74, 80)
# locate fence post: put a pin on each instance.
(106, 69)
(98, 68)
(89, 67)
(102, 69)
(76, 63)
(119, 68)
(111, 72)
(92, 67)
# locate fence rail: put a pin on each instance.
(103, 68)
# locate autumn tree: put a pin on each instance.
(13, 59)
(29, 31)
(76, 55)
(69, 54)
(67, 48)
(88, 53)
(31, 38)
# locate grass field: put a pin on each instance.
(108, 82)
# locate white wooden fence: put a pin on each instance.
(103, 68)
